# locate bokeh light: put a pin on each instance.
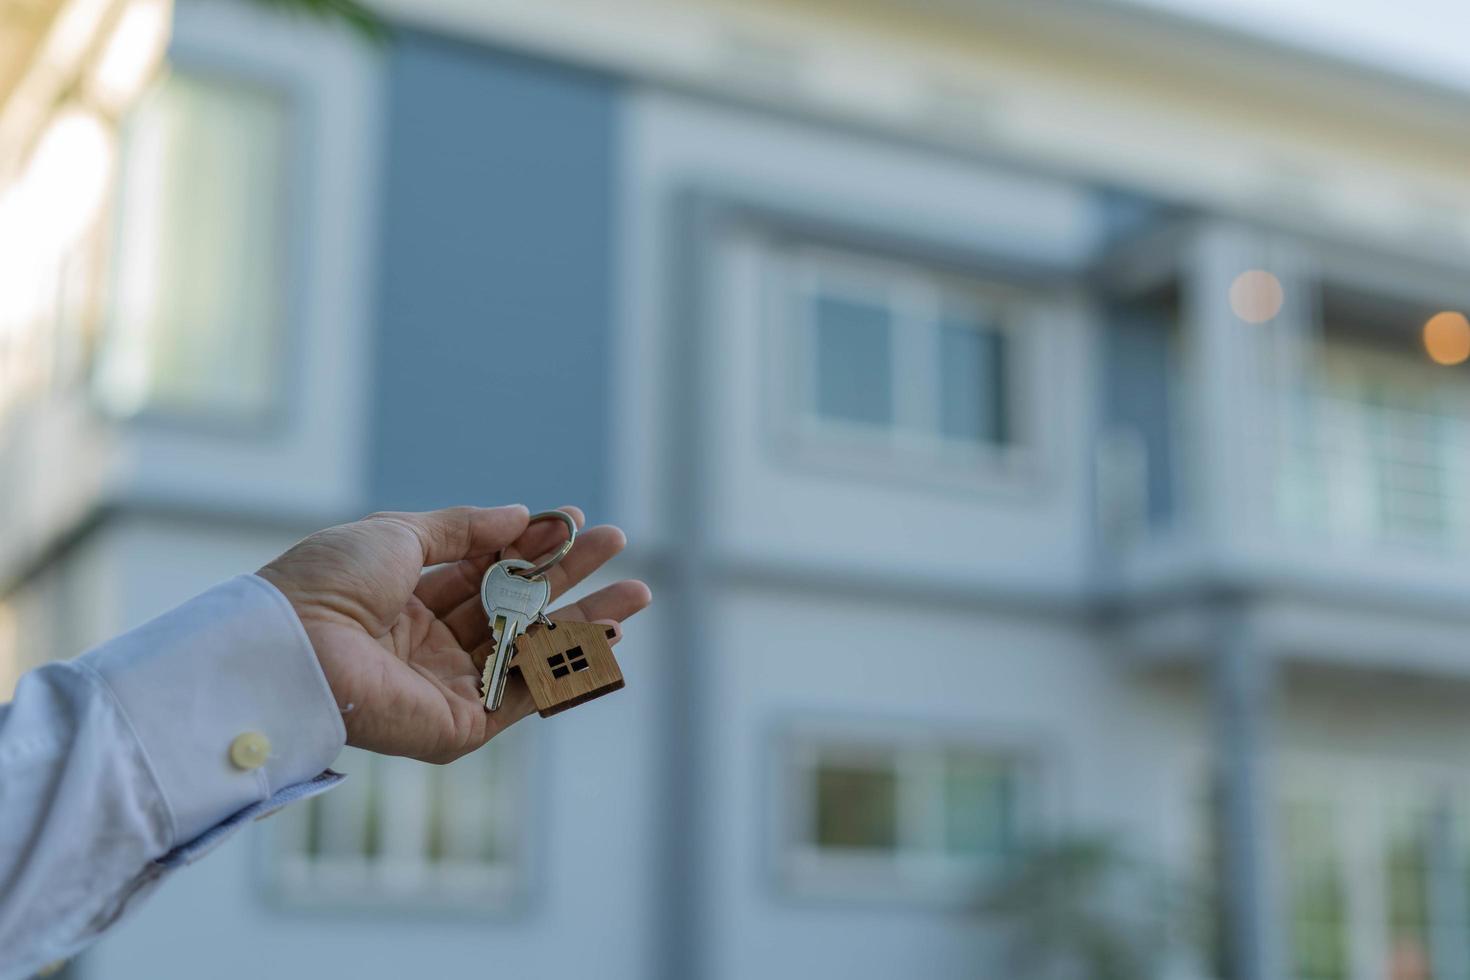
(131, 55)
(1447, 338)
(66, 180)
(1256, 296)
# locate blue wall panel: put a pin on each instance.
(496, 283)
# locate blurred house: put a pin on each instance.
(1034, 419)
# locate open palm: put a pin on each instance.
(391, 604)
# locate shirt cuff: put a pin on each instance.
(191, 851)
(227, 701)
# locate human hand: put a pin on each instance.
(402, 643)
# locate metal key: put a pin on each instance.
(513, 603)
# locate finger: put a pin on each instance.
(467, 621)
(594, 548)
(443, 588)
(456, 533)
(614, 603)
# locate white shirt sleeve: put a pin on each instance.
(146, 752)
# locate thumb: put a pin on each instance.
(455, 533)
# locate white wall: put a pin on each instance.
(819, 646)
(1115, 753)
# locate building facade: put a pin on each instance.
(910, 346)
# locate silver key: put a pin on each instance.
(513, 603)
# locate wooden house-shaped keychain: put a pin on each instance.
(567, 664)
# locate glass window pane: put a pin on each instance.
(198, 296)
(972, 389)
(854, 376)
(979, 805)
(1318, 904)
(1407, 858)
(1407, 438)
(856, 806)
(1372, 450)
(468, 812)
(413, 831)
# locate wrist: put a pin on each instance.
(306, 615)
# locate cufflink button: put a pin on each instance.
(250, 750)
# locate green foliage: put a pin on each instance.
(350, 12)
(1080, 909)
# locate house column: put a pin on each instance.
(1242, 682)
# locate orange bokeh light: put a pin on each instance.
(1256, 296)
(1447, 338)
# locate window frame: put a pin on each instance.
(352, 882)
(920, 869)
(799, 271)
(294, 253)
(740, 246)
(1356, 466)
(1355, 788)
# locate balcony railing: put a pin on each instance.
(1373, 450)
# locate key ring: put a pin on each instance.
(560, 553)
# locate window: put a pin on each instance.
(972, 380)
(563, 664)
(1377, 451)
(198, 296)
(1376, 885)
(1407, 861)
(901, 356)
(51, 248)
(854, 341)
(1315, 894)
(1138, 484)
(855, 805)
(932, 819)
(399, 832)
(1375, 437)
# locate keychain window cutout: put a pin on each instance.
(558, 662)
